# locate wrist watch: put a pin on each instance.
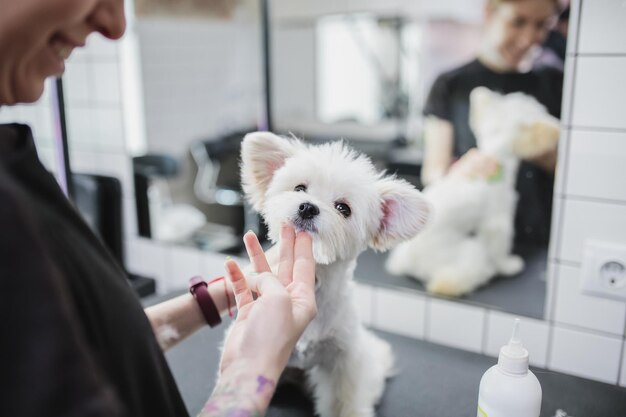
(199, 289)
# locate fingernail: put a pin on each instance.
(228, 258)
(253, 273)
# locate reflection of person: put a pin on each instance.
(512, 29)
(78, 341)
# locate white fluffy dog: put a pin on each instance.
(469, 239)
(338, 197)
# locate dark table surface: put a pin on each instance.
(433, 381)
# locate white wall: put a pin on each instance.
(200, 78)
(590, 195)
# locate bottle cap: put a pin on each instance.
(513, 357)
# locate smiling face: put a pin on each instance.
(37, 36)
(513, 28)
(331, 192)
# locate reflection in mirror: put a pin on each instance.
(201, 87)
(397, 86)
(395, 83)
(366, 67)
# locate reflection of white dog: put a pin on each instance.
(469, 238)
(338, 197)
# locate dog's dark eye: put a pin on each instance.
(344, 209)
(300, 187)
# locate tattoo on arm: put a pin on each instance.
(240, 396)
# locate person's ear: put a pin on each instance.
(405, 212)
(262, 153)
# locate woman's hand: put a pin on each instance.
(475, 164)
(268, 327)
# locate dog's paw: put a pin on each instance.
(512, 265)
(446, 286)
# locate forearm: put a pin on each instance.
(178, 318)
(438, 144)
(241, 392)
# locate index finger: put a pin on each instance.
(304, 263)
(285, 266)
(255, 253)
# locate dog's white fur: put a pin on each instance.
(469, 239)
(346, 365)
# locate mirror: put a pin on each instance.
(385, 81)
(371, 75)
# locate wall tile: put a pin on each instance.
(399, 312)
(575, 308)
(456, 325)
(363, 299)
(609, 16)
(590, 220)
(585, 354)
(80, 129)
(534, 335)
(77, 82)
(106, 81)
(599, 93)
(596, 161)
(110, 129)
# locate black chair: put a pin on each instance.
(99, 199)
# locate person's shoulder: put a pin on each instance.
(549, 73)
(460, 72)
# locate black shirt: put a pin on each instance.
(76, 341)
(449, 100)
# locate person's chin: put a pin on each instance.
(30, 93)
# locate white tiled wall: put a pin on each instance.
(588, 332)
(454, 324)
(534, 335)
(585, 354)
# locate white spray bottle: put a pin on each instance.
(510, 389)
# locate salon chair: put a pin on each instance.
(99, 200)
(218, 183)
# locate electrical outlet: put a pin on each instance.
(604, 270)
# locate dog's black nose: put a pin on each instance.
(308, 211)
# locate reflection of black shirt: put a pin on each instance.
(75, 340)
(449, 100)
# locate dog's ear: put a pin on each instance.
(405, 212)
(538, 138)
(262, 153)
